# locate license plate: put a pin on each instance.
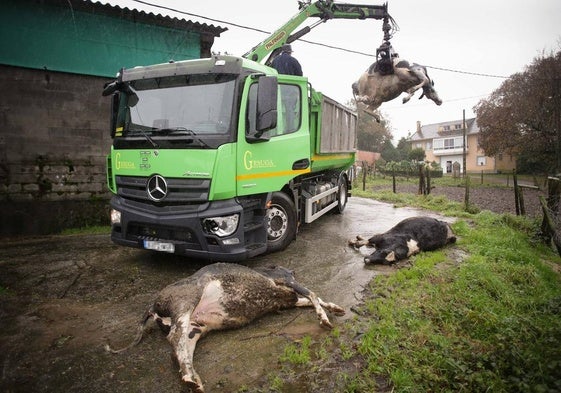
(159, 246)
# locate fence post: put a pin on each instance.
(553, 194)
(466, 195)
(364, 169)
(550, 224)
(516, 199)
(521, 201)
(393, 181)
(422, 185)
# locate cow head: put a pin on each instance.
(430, 93)
(384, 257)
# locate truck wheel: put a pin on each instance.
(281, 222)
(342, 195)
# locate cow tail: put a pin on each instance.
(139, 333)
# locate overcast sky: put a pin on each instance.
(492, 37)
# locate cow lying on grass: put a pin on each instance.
(407, 238)
(223, 296)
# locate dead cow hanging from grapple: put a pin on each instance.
(390, 76)
(373, 89)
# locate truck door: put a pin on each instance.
(267, 163)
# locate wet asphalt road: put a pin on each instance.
(64, 297)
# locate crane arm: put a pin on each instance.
(322, 9)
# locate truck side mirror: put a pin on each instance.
(114, 113)
(267, 91)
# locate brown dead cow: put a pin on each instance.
(374, 88)
(223, 296)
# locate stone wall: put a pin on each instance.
(54, 136)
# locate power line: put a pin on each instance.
(247, 27)
(200, 16)
(306, 41)
(428, 103)
(468, 72)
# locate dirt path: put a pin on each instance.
(64, 297)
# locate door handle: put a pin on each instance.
(304, 163)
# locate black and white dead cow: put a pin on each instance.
(407, 238)
(223, 296)
(373, 88)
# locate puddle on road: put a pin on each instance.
(322, 258)
(324, 263)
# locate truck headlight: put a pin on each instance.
(115, 217)
(221, 226)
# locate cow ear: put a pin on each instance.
(390, 257)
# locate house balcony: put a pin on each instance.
(448, 151)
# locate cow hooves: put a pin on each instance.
(358, 242)
(326, 324)
(194, 387)
(339, 311)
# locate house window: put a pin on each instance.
(418, 145)
(428, 146)
(481, 160)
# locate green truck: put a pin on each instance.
(223, 158)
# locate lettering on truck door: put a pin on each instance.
(268, 165)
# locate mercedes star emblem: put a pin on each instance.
(157, 188)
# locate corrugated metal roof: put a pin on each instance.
(137, 15)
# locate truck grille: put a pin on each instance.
(156, 232)
(179, 191)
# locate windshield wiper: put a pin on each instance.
(145, 135)
(182, 131)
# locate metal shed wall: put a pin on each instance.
(46, 36)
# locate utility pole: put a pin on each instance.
(465, 143)
(557, 119)
(466, 178)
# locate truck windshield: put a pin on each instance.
(193, 109)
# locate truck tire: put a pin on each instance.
(342, 195)
(281, 222)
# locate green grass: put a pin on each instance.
(489, 180)
(489, 321)
(298, 353)
(483, 315)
